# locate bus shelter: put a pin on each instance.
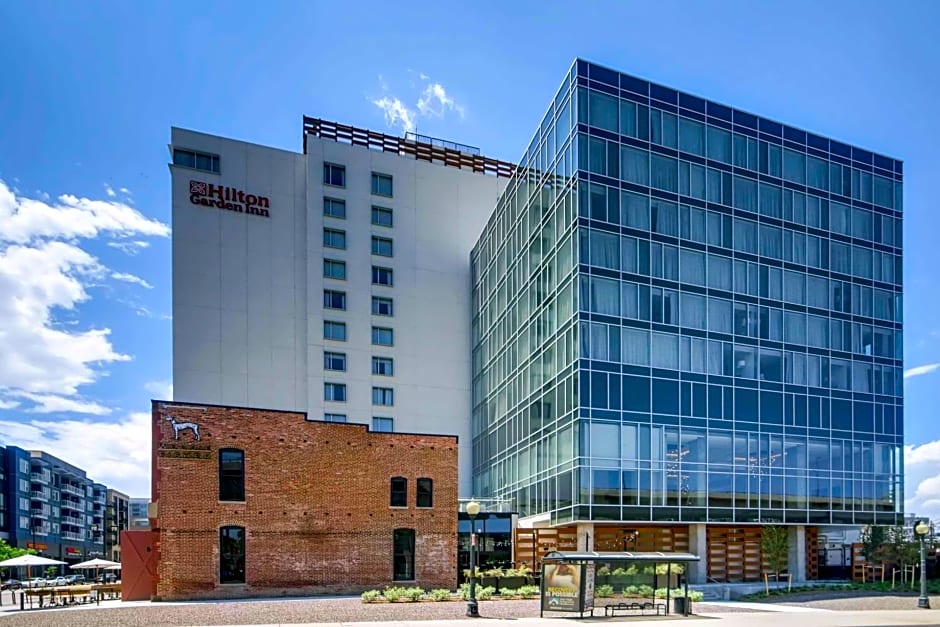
(568, 578)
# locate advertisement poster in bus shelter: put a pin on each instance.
(562, 587)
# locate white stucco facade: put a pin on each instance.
(248, 311)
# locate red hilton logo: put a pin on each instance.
(229, 198)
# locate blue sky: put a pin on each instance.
(90, 90)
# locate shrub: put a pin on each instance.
(485, 594)
(529, 592)
(441, 594)
(371, 596)
(645, 591)
(604, 591)
(393, 593)
(603, 570)
(413, 594)
(508, 592)
(631, 591)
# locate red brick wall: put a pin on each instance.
(316, 515)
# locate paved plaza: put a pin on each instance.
(335, 611)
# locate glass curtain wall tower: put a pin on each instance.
(685, 312)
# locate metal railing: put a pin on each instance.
(418, 146)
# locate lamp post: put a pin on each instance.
(473, 610)
(921, 529)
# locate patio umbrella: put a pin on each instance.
(29, 561)
(96, 563)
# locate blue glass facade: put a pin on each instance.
(685, 312)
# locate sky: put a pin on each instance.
(90, 91)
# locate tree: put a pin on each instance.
(901, 547)
(775, 546)
(872, 539)
(51, 571)
(8, 552)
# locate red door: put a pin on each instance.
(138, 565)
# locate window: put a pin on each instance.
(403, 567)
(334, 238)
(333, 299)
(383, 396)
(334, 417)
(334, 361)
(333, 330)
(334, 208)
(383, 425)
(399, 492)
(232, 555)
(382, 184)
(381, 216)
(381, 276)
(381, 246)
(231, 474)
(334, 269)
(383, 366)
(334, 392)
(425, 494)
(196, 160)
(382, 336)
(381, 306)
(334, 174)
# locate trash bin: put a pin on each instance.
(681, 605)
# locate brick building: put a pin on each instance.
(254, 502)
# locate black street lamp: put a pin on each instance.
(473, 610)
(921, 529)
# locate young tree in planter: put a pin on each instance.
(872, 540)
(775, 546)
(901, 547)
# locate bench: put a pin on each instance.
(611, 609)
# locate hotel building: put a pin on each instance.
(672, 323)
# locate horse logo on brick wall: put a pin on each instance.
(182, 426)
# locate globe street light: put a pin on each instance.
(473, 508)
(921, 529)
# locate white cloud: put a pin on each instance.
(129, 247)
(53, 403)
(432, 101)
(161, 390)
(435, 101)
(45, 273)
(130, 278)
(126, 191)
(920, 370)
(109, 191)
(120, 457)
(23, 220)
(9, 404)
(396, 113)
(922, 479)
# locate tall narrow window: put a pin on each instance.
(382, 246)
(382, 184)
(399, 492)
(382, 216)
(334, 207)
(334, 174)
(382, 424)
(232, 555)
(403, 542)
(425, 493)
(382, 276)
(231, 474)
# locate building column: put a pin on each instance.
(797, 555)
(585, 536)
(698, 545)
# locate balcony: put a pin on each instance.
(42, 476)
(41, 511)
(72, 520)
(71, 535)
(40, 494)
(71, 489)
(41, 528)
(100, 498)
